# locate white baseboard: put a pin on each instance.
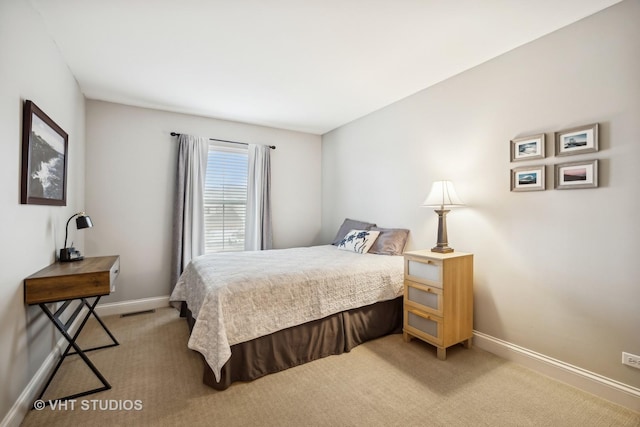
(132, 306)
(24, 402)
(606, 388)
(23, 405)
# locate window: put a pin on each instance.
(225, 198)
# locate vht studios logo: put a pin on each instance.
(89, 405)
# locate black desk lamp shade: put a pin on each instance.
(70, 254)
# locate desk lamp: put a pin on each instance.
(71, 254)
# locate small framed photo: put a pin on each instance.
(44, 159)
(582, 139)
(577, 175)
(527, 148)
(530, 178)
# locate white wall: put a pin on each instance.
(131, 163)
(556, 271)
(31, 68)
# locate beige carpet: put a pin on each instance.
(385, 382)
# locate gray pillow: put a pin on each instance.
(391, 241)
(347, 226)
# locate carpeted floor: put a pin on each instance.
(157, 381)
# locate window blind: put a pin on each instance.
(225, 198)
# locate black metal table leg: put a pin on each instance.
(91, 308)
(64, 330)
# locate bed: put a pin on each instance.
(256, 313)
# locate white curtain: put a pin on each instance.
(258, 231)
(188, 222)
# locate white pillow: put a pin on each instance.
(359, 241)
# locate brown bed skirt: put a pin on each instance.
(294, 346)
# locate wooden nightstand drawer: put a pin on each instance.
(426, 271)
(423, 325)
(423, 297)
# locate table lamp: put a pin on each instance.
(442, 196)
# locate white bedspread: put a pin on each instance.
(238, 296)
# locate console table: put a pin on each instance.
(65, 282)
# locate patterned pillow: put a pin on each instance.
(348, 225)
(359, 241)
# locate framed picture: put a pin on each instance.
(528, 148)
(44, 159)
(577, 175)
(530, 178)
(583, 139)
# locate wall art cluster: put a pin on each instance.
(567, 175)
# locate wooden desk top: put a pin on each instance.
(61, 281)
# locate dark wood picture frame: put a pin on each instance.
(44, 159)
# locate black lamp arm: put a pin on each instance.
(66, 233)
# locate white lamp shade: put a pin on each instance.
(443, 194)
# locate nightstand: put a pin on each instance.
(438, 298)
(65, 282)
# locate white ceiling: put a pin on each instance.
(306, 65)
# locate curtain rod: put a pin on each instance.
(273, 147)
